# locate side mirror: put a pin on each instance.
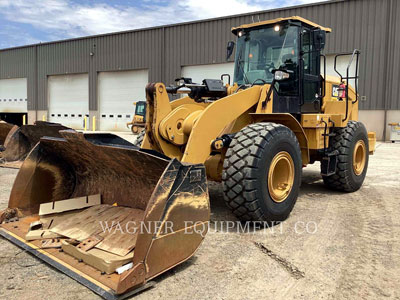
(281, 75)
(229, 49)
(319, 39)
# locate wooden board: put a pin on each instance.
(99, 259)
(41, 235)
(11, 164)
(21, 228)
(50, 221)
(87, 223)
(121, 242)
(69, 204)
(81, 225)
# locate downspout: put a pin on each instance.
(35, 82)
(387, 75)
(163, 56)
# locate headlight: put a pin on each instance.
(280, 75)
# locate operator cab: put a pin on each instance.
(140, 109)
(285, 53)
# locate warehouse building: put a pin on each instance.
(101, 76)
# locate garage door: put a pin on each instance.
(13, 95)
(68, 98)
(213, 71)
(117, 91)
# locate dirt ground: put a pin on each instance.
(351, 249)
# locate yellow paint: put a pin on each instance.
(94, 123)
(332, 105)
(86, 123)
(24, 120)
(264, 106)
(315, 120)
(372, 142)
(214, 165)
(359, 157)
(214, 119)
(175, 126)
(158, 107)
(44, 118)
(315, 138)
(281, 176)
(268, 22)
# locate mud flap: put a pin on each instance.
(171, 194)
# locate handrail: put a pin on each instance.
(356, 54)
(324, 81)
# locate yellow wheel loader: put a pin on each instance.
(139, 119)
(255, 135)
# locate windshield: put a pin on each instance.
(140, 108)
(262, 50)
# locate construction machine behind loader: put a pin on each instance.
(139, 119)
(20, 140)
(254, 135)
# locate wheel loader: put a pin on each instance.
(254, 134)
(139, 119)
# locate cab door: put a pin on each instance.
(310, 73)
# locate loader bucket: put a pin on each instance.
(21, 140)
(165, 191)
(4, 130)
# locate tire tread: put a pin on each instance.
(240, 168)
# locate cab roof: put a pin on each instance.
(278, 20)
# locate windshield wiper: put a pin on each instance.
(246, 80)
(240, 61)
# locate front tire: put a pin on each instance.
(135, 129)
(262, 172)
(353, 147)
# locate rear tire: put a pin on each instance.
(139, 139)
(352, 167)
(255, 154)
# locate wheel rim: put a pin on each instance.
(359, 157)
(281, 176)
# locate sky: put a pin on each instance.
(25, 22)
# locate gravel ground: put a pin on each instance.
(351, 249)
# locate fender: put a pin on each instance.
(289, 121)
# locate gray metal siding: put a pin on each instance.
(20, 63)
(362, 24)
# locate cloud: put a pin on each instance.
(9, 40)
(61, 19)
